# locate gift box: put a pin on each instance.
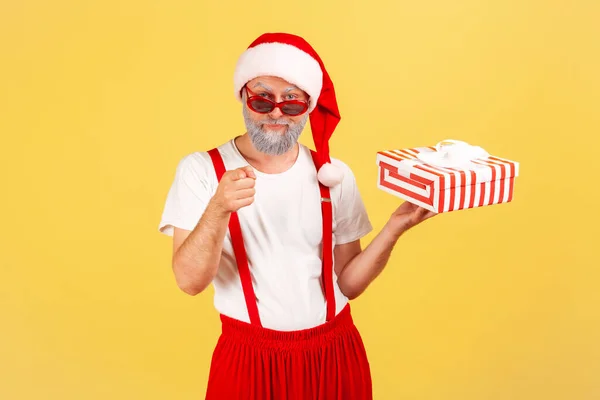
(452, 175)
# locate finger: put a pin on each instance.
(249, 172)
(404, 208)
(418, 213)
(242, 172)
(245, 193)
(236, 174)
(245, 183)
(423, 212)
(243, 202)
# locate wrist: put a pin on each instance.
(391, 234)
(217, 209)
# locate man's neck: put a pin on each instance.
(266, 163)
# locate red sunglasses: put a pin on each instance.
(263, 105)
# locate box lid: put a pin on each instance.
(405, 162)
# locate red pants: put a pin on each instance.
(327, 362)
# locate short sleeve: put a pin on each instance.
(352, 220)
(189, 194)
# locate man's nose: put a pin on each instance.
(276, 113)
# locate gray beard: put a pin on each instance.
(273, 143)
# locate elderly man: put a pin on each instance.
(276, 228)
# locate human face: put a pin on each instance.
(273, 133)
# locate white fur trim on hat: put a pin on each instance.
(284, 61)
(330, 175)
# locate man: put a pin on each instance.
(276, 228)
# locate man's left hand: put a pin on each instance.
(407, 216)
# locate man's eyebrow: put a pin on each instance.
(263, 86)
(291, 88)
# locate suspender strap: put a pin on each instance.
(327, 256)
(238, 247)
(242, 260)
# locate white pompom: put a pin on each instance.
(330, 175)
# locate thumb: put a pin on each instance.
(421, 212)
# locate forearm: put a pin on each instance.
(196, 262)
(358, 274)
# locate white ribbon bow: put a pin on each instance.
(452, 153)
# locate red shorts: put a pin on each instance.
(327, 362)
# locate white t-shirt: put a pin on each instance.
(282, 232)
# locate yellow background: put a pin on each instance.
(100, 100)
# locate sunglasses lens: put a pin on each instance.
(293, 109)
(261, 106)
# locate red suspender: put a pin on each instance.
(242, 260)
(238, 248)
(327, 211)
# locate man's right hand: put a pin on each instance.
(235, 190)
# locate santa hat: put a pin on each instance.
(290, 57)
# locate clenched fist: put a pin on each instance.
(235, 190)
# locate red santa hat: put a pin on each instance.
(292, 58)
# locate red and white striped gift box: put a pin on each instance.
(482, 182)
